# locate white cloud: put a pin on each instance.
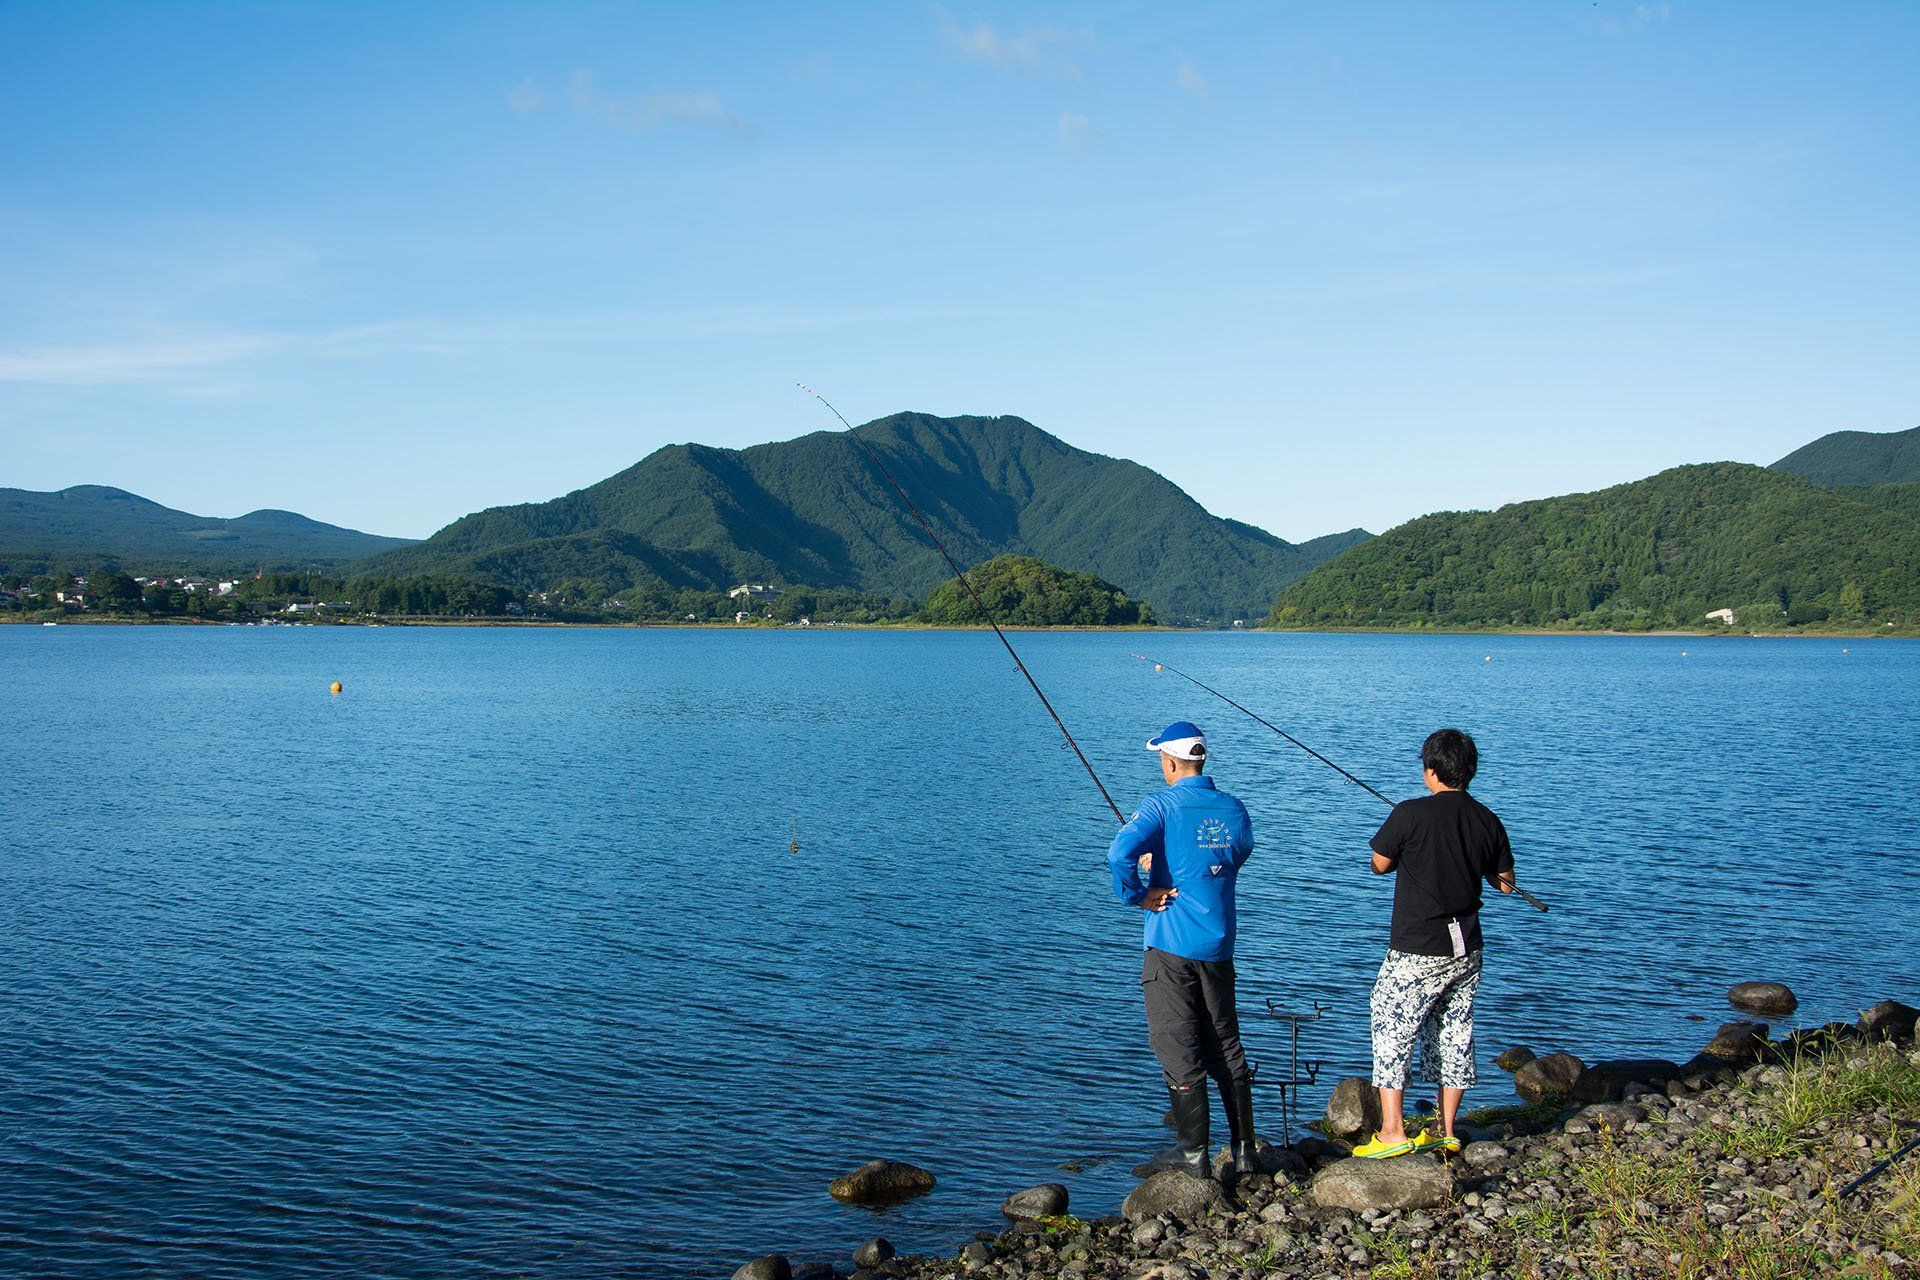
(1077, 133)
(80, 366)
(178, 362)
(1188, 77)
(650, 112)
(1030, 51)
(526, 96)
(693, 110)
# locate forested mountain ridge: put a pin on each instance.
(1658, 552)
(815, 510)
(103, 523)
(1858, 458)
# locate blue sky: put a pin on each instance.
(1322, 265)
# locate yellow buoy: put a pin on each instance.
(1158, 667)
(334, 687)
(1489, 657)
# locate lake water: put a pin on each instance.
(498, 963)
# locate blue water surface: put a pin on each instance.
(499, 964)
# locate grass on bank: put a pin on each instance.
(1648, 1216)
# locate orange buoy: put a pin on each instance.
(334, 687)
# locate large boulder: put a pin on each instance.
(879, 1182)
(1889, 1020)
(1768, 999)
(1515, 1058)
(1048, 1200)
(1354, 1109)
(1740, 1042)
(1174, 1193)
(1604, 1081)
(1553, 1076)
(1404, 1182)
(873, 1253)
(772, 1267)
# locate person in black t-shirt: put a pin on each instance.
(1438, 848)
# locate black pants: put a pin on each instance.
(1191, 1021)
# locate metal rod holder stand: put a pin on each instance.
(1290, 1087)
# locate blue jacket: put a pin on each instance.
(1199, 837)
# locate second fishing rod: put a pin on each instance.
(1375, 793)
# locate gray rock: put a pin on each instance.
(1320, 1150)
(1553, 1076)
(1889, 1020)
(1267, 1158)
(1048, 1200)
(772, 1267)
(1405, 1182)
(1354, 1109)
(1771, 999)
(1173, 1193)
(1739, 1042)
(873, 1253)
(1610, 1115)
(1606, 1081)
(880, 1181)
(977, 1254)
(813, 1271)
(1703, 1069)
(1515, 1058)
(1484, 1157)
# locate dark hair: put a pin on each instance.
(1452, 757)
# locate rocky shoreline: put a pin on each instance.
(1732, 1163)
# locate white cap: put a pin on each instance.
(1182, 740)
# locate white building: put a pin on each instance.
(748, 590)
(1721, 615)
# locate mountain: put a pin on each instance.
(815, 510)
(1658, 552)
(91, 522)
(1858, 457)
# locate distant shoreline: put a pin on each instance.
(525, 623)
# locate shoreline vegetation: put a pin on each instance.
(1752, 1160)
(20, 618)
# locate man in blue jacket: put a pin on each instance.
(1177, 859)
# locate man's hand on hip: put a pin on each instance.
(1157, 899)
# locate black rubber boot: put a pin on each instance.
(1190, 1112)
(1237, 1097)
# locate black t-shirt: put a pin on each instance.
(1446, 844)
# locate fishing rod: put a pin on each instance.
(1382, 798)
(874, 455)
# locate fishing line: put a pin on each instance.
(1161, 666)
(980, 604)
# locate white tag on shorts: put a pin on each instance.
(1459, 937)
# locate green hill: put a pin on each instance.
(816, 511)
(89, 523)
(1857, 458)
(1025, 592)
(1659, 552)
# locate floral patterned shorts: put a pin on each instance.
(1429, 1000)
